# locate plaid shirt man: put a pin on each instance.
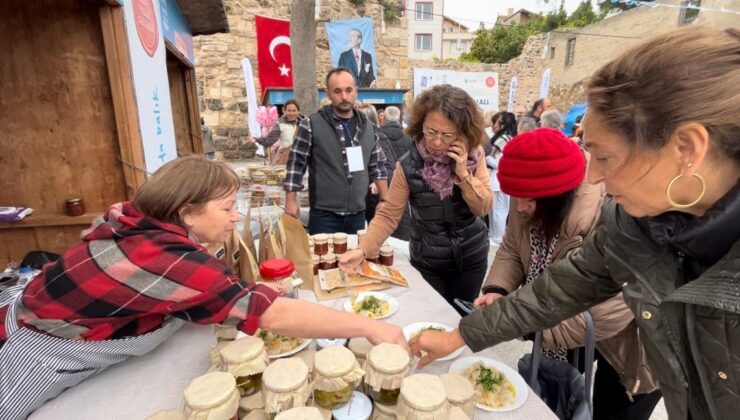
(130, 273)
(300, 156)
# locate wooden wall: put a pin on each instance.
(183, 98)
(58, 136)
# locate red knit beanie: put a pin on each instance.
(541, 163)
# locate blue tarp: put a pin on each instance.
(570, 117)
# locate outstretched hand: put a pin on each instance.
(431, 345)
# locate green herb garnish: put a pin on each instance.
(371, 304)
(489, 380)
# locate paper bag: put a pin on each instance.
(297, 250)
(232, 252)
(248, 267)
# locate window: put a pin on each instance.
(463, 46)
(423, 42)
(552, 53)
(570, 51)
(688, 14)
(424, 11)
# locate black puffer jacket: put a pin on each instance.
(444, 233)
(395, 145)
(680, 276)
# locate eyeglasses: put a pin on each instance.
(431, 134)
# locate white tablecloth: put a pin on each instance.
(144, 385)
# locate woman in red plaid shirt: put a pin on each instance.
(139, 273)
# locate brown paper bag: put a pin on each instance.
(281, 240)
(232, 252)
(272, 231)
(263, 245)
(218, 250)
(297, 250)
(248, 268)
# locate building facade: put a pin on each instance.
(456, 39)
(425, 26)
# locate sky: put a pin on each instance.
(471, 12)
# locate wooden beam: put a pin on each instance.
(124, 99)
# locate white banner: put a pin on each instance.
(254, 126)
(512, 94)
(545, 86)
(149, 68)
(482, 86)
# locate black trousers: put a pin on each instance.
(453, 284)
(610, 397)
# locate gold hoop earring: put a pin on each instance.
(673, 202)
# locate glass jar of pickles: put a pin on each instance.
(386, 255)
(384, 412)
(246, 359)
(340, 243)
(328, 261)
(386, 366)
(224, 332)
(335, 376)
(360, 346)
(212, 396)
(285, 385)
(460, 392)
(320, 244)
(422, 397)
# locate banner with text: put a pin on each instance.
(482, 86)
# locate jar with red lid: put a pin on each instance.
(281, 272)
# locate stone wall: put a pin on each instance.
(220, 81)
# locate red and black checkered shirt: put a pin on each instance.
(130, 273)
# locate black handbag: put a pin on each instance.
(559, 384)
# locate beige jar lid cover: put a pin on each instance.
(256, 415)
(340, 238)
(329, 256)
(386, 366)
(459, 390)
(252, 402)
(168, 415)
(321, 238)
(422, 392)
(360, 346)
(210, 390)
(335, 367)
(285, 375)
(388, 410)
(386, 250)
(315, 259)
(300, 413)
(243, 350)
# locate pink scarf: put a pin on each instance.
(438, 168)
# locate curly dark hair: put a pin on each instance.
(455, 104)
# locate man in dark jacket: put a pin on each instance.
(339, 147)
(395, 144)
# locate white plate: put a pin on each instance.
(303, 345)
(411, 330)
(382, 296)
(516, 379)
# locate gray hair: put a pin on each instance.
(551, 119)
(369, 111)
(526, 124)
(392, 113)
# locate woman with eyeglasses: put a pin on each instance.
(445, 182)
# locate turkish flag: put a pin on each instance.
(274, 63)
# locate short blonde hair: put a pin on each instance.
(189, 180)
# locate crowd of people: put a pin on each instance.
(641, 230)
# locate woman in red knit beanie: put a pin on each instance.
(543, 172)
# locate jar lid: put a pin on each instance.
(359, 407)
(457, 413)
(315, 259)
(459, 390)
(74, 200)
(168, 415)
(276, 268)
(242, 350)
(360, 346)
(388, 410)
(340, 238)
(423, 391)
(320, 238)
(386, 250)
(284, 375)
(334, 361)
(300, 413)
(361, 232)
(210, 390)
(329, 257)
(323, 343)
(389, 358)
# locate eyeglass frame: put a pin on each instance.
(438, 135)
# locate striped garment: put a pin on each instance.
(128, 275)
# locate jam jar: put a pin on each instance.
(320, 244)
(328, 262)
(74, 207)
(386, 255)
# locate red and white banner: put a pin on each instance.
(274, 63)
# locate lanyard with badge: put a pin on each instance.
(355, 161)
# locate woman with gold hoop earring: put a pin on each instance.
(663, 131)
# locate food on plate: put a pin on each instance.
(371, 307)
(383, 273)
(492, 387)
(278, 344)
